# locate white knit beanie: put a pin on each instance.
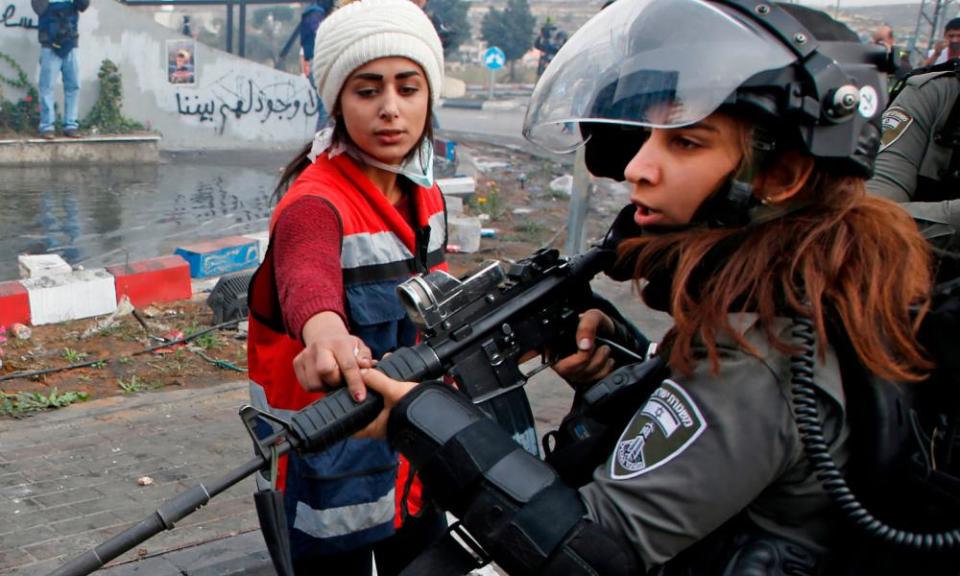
(365, 30)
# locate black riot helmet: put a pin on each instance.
(802, 79)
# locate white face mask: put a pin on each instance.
(418, 168)
(322, 141)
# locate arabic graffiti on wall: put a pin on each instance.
(284, 101)
(9, 19)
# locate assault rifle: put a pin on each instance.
(475, 329)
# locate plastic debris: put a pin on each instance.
(522, 211)
(21, 332)
(563, 184)
(124, 308)
(171, 336)
(465, 233)
(485, 165)
(144, 481)
(488, 232)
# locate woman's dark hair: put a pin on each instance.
(340, 136)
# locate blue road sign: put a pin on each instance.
(494, 58)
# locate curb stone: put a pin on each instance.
(485, 105)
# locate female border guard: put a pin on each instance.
(746, 140)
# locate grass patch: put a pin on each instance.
(207, 341)
(73, 356)
(488, 200)
(24, 403)
(133, 385)
(531, 231)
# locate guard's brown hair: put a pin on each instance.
(846, 255)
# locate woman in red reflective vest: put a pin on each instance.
(358, 214)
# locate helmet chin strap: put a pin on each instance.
(730, 206)
(734, 204)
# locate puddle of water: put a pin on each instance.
(98, 215)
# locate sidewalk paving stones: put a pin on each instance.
(69, 478)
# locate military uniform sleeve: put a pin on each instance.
(932, 214)
(696, 454)
(908, 126)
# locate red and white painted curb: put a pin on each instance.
(51, 291)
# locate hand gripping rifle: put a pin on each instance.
(475, 329)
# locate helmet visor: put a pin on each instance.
(651, 63)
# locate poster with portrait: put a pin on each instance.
(181, 61)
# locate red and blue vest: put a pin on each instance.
(348, 496)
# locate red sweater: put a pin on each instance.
(307, 261)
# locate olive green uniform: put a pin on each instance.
(706, 448)
(912, 167)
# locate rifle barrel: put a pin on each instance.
(163, 518)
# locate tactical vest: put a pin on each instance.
(348, 496)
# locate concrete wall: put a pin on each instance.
(234, 104)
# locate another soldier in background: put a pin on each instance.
(548, 43)
(919, 163)
(883, 36)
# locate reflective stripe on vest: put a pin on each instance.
(369, 249)
(437, 222)
(333, 522)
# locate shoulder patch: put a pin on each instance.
(667, 425)
(895, 122)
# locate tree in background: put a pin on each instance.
(450, 19)
(510, 29)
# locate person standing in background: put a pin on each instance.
(883, 36)
(947, 47)
(310, 20)
(58, 34)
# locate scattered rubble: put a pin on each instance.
(124, 308)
